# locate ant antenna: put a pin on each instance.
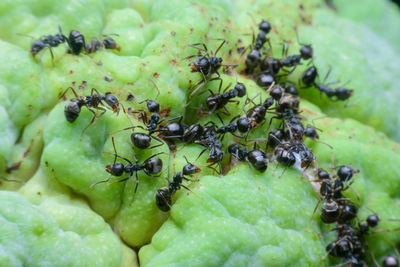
(11, 180)
(155, 85)
(25, 35)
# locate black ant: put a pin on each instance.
(154, 108)
(231, 127)
(47, 41)
(143, 140)
(308, 79)
(164, 194)
(306, 52)
(254, 117)
(209, 139)
(348, 246)
(336, 208)
(256, 157)
(218, 101)
(73, 106)
(337, 94)
(151, 165)
(253, 59)
(205, 64)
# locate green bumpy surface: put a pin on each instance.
(243, 218)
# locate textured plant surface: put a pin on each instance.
(243, 218)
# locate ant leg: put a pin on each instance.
(73, 91)
(352, 189)
(285, 49)
(118, 156)
(159, 140)
(51, 54)
(122, 180)
(11, 180)
(228, 113)
(201, 153)
(17, 164)
(199, 85)
(103, 181)
(90, 123)
(226, 88)
(187, 188)
(64, 38)
(216, 51)
(195, 46)
(327, 74)
(94, 90)
(178, 117)
(159, 153)
(234, 118)
(220, 119)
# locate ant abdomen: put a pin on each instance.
(141, 140)
(163, 199)
(72, 109)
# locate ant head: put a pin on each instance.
(306, 52)
(343, 93)
(189, 169)
(216, 155)
(311, 132)
(241, 89)
(264, 26)
(323, 174)
(345, 173)
(373, 220)
(153, 106)
(36, 47)
(112, 101)
(109, 43)
(115, 169)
